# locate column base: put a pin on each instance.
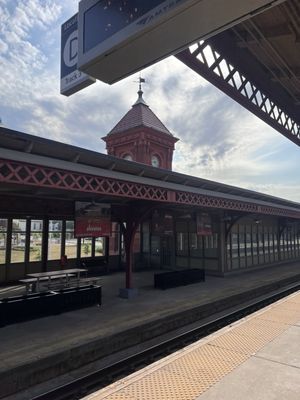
(125, 293)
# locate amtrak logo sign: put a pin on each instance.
(71, 79)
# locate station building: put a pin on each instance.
(160, 219)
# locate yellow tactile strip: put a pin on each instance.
(189, 372)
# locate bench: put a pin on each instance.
(172, 279)
(36, 305)
(94, 264)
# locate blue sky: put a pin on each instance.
(219, 140)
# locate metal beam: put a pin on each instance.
(221, 62)
(35, 176)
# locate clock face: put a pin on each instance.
(128, 157)
(155, 161)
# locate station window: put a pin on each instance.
(114, 241)
(145, 237)
(267, 238)
(36, 240)
(242, 241)
(193, 241)
(86, 247)
(248, 244)
(70, 241)
(286, 242)
(260, 241)
(155, 245)
(99, 246)
(182, 247)
(54, 239)
(234, 245)
(196, 245)
(283, 243)
(211, 245)
(271, 241)
(3, 240)
(275, 242)
(229, 252)
(289, 241)
(254, 241)
(18, 241)
(293, 241)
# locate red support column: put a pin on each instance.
(129, 232)
(131, 217)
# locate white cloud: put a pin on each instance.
(3, 47)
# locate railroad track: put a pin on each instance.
(87, 384)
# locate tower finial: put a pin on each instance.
(140, 92)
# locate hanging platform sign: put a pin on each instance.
(71, 79)
(118, 38)
(204, 224)
(92, 220)
(92, 227)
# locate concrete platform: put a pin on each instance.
(38, 350)
(273, 373)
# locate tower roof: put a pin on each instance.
(140, 115)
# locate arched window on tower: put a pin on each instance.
(127, 157)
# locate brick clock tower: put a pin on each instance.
(140, 136)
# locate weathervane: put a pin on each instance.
(140, 92)
(141, 80)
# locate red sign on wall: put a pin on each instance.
(92, 227)
(92, 219)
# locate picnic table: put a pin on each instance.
(63, 274)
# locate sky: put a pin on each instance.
(219, 140)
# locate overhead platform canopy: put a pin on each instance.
(257, 63)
